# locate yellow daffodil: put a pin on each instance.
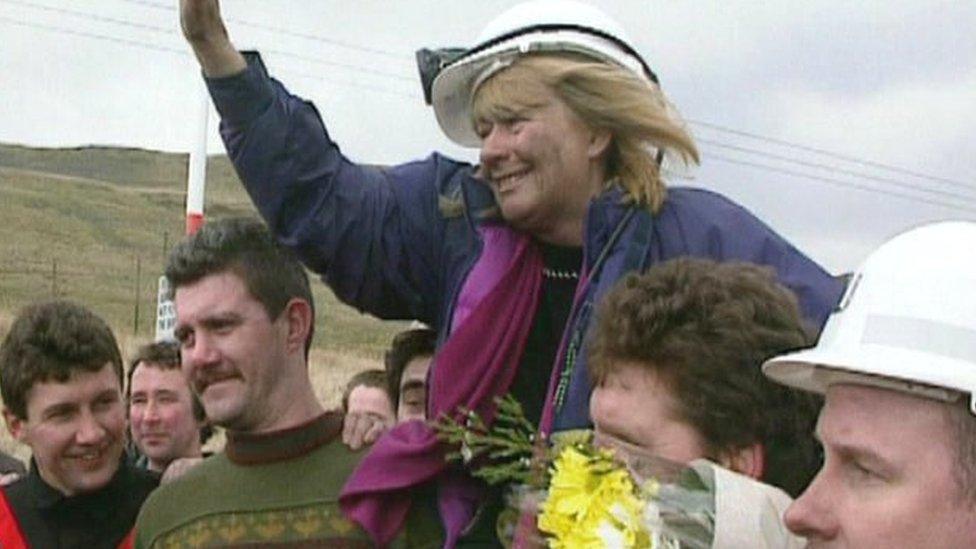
(592, 502)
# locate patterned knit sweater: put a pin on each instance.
(271, 490)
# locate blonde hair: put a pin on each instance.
(606, 97)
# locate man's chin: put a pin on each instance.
(222, 412)
(159, 455)
(92, 481)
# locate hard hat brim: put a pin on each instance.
(454, 87)
(815, 370)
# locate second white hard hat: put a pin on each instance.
(907, 321)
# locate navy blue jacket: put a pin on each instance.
(399, 242)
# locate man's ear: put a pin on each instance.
(599, 143)
(748, 460)
(15, 425)
(298, 317)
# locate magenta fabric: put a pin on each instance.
(474, 366)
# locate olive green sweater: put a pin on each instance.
(273, 490)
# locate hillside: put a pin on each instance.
(93, 224)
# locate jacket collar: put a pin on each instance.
(603, 217)
(45, 497)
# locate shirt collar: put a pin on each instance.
(254, 449)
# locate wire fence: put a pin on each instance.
(125, 294)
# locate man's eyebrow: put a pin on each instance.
(854, 450)
(214, 320)
(107, 393)
(220, 319)
(412, 384)
(59, 407)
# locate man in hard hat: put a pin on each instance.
(572, 129)
(897, 363)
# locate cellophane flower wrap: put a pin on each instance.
(570, 492)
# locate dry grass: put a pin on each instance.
(79, 220)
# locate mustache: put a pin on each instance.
(204, 379)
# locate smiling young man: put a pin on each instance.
(61, 378)
(166, 420)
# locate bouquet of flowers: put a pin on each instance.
(571, 492)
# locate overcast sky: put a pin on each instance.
(887, 83)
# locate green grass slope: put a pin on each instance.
(93, 223)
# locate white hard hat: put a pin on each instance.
(535, 26)
(907, 321)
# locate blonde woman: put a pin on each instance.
(504, 259)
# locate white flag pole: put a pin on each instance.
(196, 180)
(197, 173)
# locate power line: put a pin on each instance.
(832, 154)
(92, 16)
(336, 64)
(96, 36)
(169, 31)
(710, 125)
(281, 30)
(841, 183)
(835, 169)
(183, 53)
(359, 85)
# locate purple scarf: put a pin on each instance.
(475, 365)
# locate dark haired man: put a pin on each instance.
(61, 379)
(407, 363)
(366, 393)
(676, 357)
(166, 420)
(244, 321)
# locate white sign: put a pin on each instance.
(165, 312)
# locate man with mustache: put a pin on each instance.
(245, 319)
(61, 378)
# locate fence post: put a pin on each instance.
(54, 277)
(135, 295)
